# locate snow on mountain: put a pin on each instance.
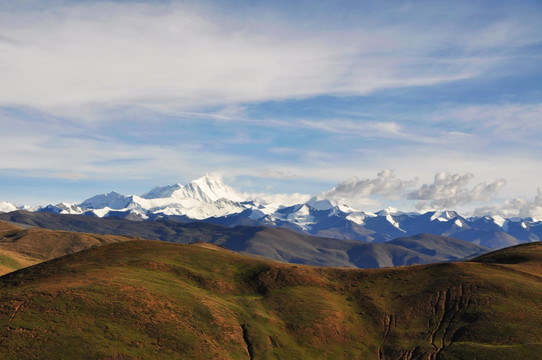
(206, 189)
(192, 208)
(500, 221)
(388, 211)
(62, 208)
(7, 206)
(68, 208)
(209, 189)
(323, 204)
(443, 215)
(392, 221)
(301, 216)
(111, 200)
(201, 199)
(209, 199)
(358, 217)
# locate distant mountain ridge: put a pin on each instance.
(273, 243)
(209, 199)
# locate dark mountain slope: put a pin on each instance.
(277, 244)
(155, 300)
(495, 239)
(440, 247)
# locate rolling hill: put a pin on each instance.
(21, 247)
(148, 299)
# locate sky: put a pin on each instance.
(413, 104)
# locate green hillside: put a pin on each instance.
(20, 247)
(156, 300)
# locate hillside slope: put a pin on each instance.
(147, 299)
(20, 247)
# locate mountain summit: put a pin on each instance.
(206, 189)
(202, 198)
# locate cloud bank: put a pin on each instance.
(385, 184)
(446, 191)
(520, 207)
(449, 190)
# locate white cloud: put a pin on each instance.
(450, 190)
(358, 128)
(510, 121)
(519, 206)
(64, 157)
(376, 129)
(355, 191)
(171, 57)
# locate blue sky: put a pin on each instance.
(276, 97)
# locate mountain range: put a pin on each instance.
(209, 199)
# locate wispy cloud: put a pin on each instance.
(506, 122)
(358, 128)
(177, 57)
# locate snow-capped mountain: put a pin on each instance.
(209, 199)
(203, 198)
(7, 206)
(112, 200)
(204, 189)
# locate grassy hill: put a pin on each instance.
(20, 247)
(157, 300)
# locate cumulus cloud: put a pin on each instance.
(518, 206)
(357, 191)
(449, 190)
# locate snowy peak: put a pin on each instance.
(62, 208)
(388, 211)
(444, 215)
(323, 204)
(112, 200)
(205, 189)
(208, 189)
(203, 198)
